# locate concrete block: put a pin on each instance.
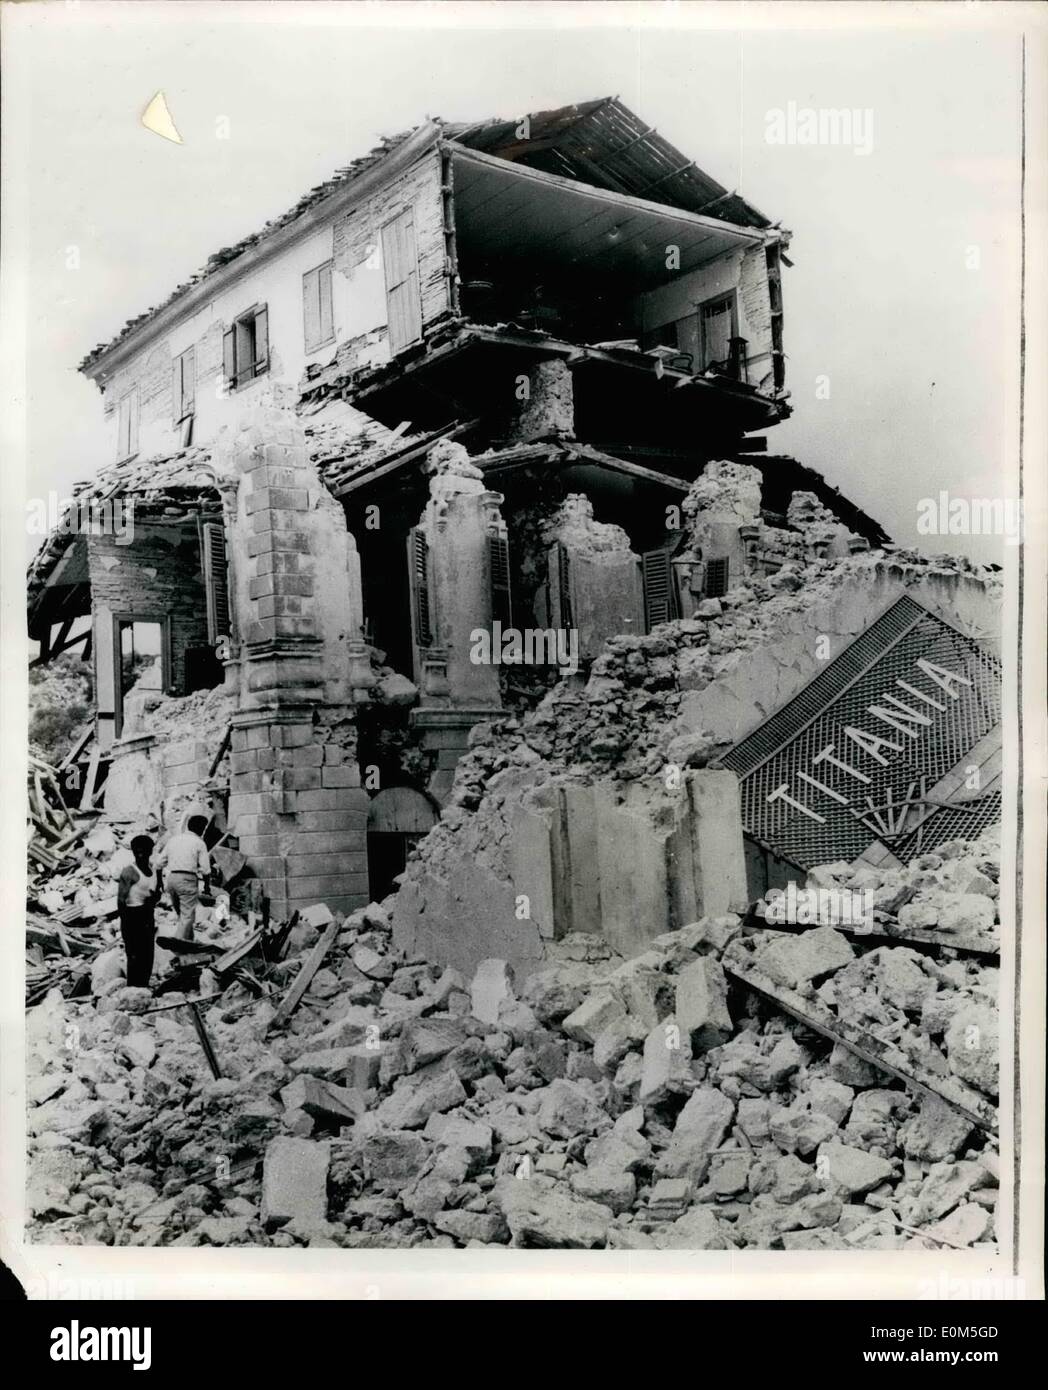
(294, 1181)
(323, 1100)
(702, 1004)
(492, 983)
(597, 1011)
(666, 1063)
(700, 1128)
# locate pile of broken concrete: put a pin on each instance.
(599, 1103)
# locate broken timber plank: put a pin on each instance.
(87, 795)
(879, 1054)
(305, 976)
(205, 1041)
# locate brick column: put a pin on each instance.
(296, 803)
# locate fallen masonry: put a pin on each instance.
(659, 1102)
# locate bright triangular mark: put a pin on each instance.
(157, 118)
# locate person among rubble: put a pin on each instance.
(136, 896)
(186, 860)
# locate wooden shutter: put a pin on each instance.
(327, 314)
(658, 587)
(716, 577)
(311, 308)
(418, 559)
(400, 265)
(261, 362)
(560, 583)
(718, 328)
(183, 385)
(501, 607)
(127, 425)
(216, 579)
(229, 356)
(317, 307)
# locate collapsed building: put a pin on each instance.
(471, 588)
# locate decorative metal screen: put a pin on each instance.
(851, 758)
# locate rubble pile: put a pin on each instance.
(622, 721)
(654, 1103)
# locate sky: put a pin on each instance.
(901, 308)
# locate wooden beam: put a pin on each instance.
(305, 976)
(883, 1055)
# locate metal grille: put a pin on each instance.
(845, 813)
(965, 821)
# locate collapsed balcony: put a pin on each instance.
(664, 317)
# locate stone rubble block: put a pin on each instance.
(666, 1064)
(700, 1128)
(551, 1216)
(597, 1011)
(851, 1170)
(702, 1004)
(492, 983)
(797, 960)
(294, 1181)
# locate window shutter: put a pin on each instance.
(176, 391)
(261, 362)
(216, 580)
(716, 577)
(501, 607)
(311, 308)
(418, 556)
(400, 264)
(326, 304)
(657, 579)
(188, 382)
(560, 566)
(229, 355)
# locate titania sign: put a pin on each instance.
(855, 758)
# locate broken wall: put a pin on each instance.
(155, 577)
(544, 858)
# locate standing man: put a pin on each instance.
(136, 896)
(185, 857)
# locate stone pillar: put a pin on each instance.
(605, 596)
(455, 692)
(547, 404)
(296, 803)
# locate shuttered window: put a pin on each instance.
(245, 347)
(400, 264)
(183, 385)
(216, 579)
(127, 425)
(719, 326)
(501, 606)
(716, 578)
(317, 310)
(659, 596)
(560, 581)
(418, 560)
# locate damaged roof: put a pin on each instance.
(604, 144)
(600, 143)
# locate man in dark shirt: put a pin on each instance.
(136, 898)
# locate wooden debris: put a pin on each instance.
(884, 1055)
(305, 976)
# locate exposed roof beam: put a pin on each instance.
(621, 200)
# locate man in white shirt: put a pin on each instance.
(183, 858)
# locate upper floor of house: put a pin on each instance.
(428, 281)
